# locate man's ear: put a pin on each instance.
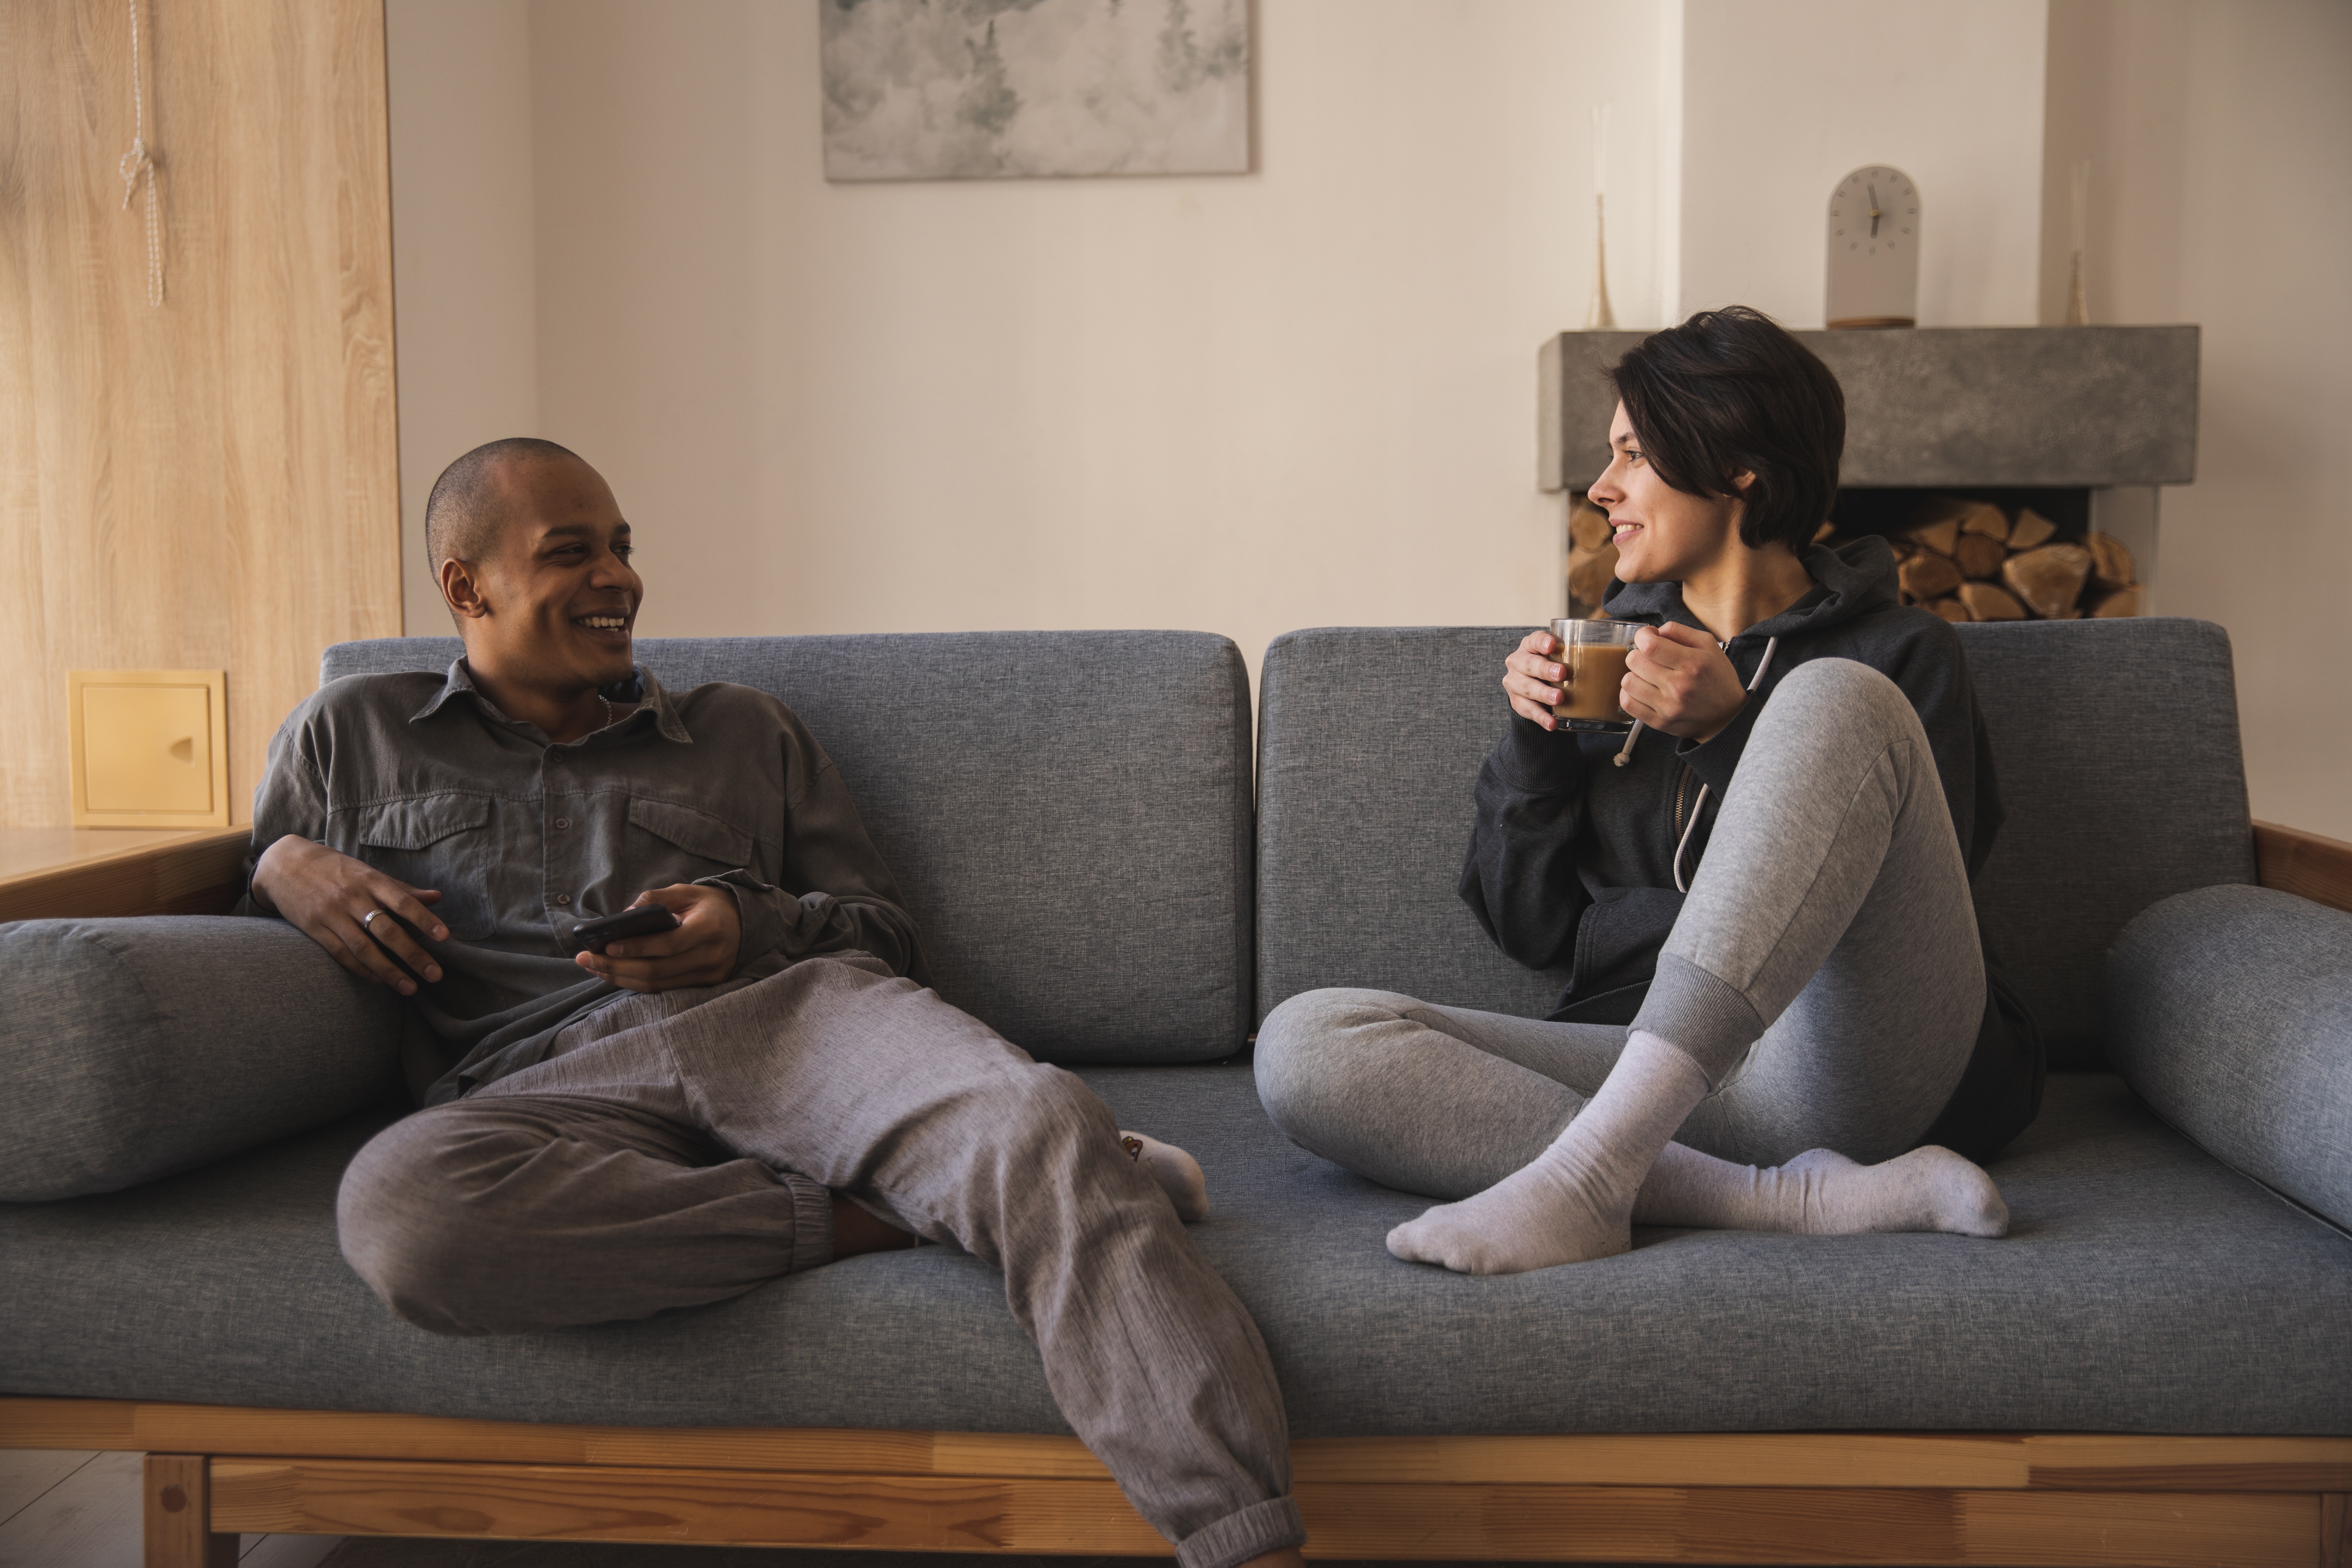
(461, 589)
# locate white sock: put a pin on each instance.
(1573, 1201)
(1178, 1174)
(1822, 1193)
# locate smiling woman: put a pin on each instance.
(1729, 1043)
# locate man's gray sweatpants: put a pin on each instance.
(1824, 973)
(682, 1148)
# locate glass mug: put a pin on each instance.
(1593, 656)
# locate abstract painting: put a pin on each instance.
(978, 90)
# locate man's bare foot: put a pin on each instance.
(855, 1231)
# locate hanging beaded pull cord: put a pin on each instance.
(136, 164)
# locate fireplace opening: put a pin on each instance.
(1968, 552)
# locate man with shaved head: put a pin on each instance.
(767, 1085)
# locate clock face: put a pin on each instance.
(1874, 249)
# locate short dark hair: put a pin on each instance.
(465, 511)
(1731, 390)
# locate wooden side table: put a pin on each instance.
(61, 872)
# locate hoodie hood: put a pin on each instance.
(1851, 581)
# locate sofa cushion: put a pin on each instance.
(2115, 744)
(133, 1049)
(1369, 741)
(2145, 1288)
(1067, 814)
(2230, 1010)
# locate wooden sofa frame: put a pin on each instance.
(2150, 1502)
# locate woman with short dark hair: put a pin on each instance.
(1761, 896)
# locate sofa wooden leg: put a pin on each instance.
(179, 1515)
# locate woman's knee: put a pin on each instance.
(1308, 1055)
(1842, 692)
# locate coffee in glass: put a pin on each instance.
(1593, 654)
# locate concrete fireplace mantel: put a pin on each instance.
(2093, 407)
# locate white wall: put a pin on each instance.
(1304, 396)
(464, 252)
(1297, 398)
(2219, 138)
(1781, 99)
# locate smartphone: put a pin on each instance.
(645, 920)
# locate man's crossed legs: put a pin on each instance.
(683, 1147)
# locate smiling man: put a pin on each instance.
(767, 1086)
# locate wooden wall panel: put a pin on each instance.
(212, 484)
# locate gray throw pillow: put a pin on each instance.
(133, 1049)
(2229, 1011)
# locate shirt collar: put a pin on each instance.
(665, 720)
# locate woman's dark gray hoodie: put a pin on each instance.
(1572, 861)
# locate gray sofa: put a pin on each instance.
(1075, 825)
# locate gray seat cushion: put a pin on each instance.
(2230, 1010)
(1067, 813)
(2115, 744)
(133, 1049)
(2146, 1287)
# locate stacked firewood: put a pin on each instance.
(1965, 560)
(1970, 561)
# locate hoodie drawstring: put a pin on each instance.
(1680, 886)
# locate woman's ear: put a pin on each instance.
(462, 590)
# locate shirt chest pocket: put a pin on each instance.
(680, 836)
(441, 842)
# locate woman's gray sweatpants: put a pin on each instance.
(679, 1149)
(1824, 973)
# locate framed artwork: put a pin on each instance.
(992, 90)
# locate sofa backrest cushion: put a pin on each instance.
(1067, 813)
(2117, 747)
(1368, 740)
(2115, 744)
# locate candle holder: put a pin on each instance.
(1598, 316)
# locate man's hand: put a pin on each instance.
(1531, 678)
(1678, 681)
(329, 897)
(700, 952)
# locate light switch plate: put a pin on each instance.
(150, 747)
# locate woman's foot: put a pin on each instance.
(1574, 1202)
(1931, 1188)
(1822, 1193)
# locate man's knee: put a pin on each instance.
(1305, 1055)
(411, 1224)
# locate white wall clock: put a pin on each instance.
(1874, 244)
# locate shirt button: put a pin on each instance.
(562, 898)
(562, 822)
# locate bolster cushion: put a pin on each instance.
(2229, 1011)
(133, 1049)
